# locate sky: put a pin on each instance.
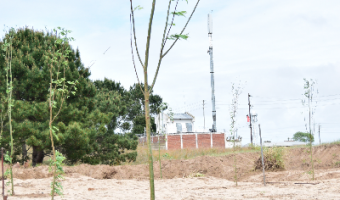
(268, 47)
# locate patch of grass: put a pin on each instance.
(182, 154)
(337, 164)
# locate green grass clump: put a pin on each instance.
(273, 159)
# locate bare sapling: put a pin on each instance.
(160, 110)
(147, 90)
(58, 89)
(309, 92)
(8, 50)
(236, 91)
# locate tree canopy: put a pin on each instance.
(303, 137)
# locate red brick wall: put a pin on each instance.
(174, 142)
(189, 141)
(218, 141)
(154, 140)
(203, 140)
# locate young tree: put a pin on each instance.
(236, 91)
(309, 94)
(160, 110)
(8, 50)
(147, 90)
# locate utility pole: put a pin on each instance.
(319, 135)
(210, 51)
(251, 132)
(203, 116)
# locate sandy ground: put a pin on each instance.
(131, 181)
(83, 188)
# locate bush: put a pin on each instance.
(273, 159)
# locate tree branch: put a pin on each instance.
(182, 29)
(172, 21)
(134, 33)
(163, 44)
(133, 58)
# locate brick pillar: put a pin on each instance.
(211, 140)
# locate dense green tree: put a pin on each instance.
(84, 115)
(303, 137)
(32, 53)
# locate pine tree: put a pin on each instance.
(31, 57)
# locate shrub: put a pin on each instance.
(273, 159)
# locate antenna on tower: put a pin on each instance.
(210, 24)
(210, 51)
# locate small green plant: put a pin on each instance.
(195, 175)
(337, 164)
(56, 185)
(167, 156)
(273, 159)
(8, 172)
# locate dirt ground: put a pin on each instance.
(179, 181)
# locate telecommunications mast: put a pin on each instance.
(210, 51)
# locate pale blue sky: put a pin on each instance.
(272, 45)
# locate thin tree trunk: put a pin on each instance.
(159, 145)
(10, 117)
(147, 117)
(147, 108)
(51, 135)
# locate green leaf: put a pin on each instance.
(178, 36)
(179, 13)
(138, 8)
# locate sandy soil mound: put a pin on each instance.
(297, 161)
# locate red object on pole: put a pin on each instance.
(248, 119)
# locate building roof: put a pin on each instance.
(182, 116)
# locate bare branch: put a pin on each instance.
(134, 33)
(162, 46)
(182, 29)
(133, 58)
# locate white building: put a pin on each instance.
(180, 123)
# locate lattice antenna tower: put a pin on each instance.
(210, 51)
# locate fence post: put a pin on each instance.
(211, 140)
(196, 141)
(264, 175)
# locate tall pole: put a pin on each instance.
(251, 132)
(203, 116)
(319, 135)
(212, 72)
